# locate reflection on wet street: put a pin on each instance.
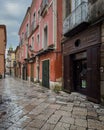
(25, 106)
(14, 101)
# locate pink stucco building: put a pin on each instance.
(40, 35)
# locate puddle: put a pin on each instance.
(4, 105)
(7, 100)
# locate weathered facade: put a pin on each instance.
(42, 46)
(24, 33)
(2, 50)
(83, 48)
(17, 62)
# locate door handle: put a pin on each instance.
(68, 80)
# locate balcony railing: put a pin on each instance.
(43, 6)
(78, 16)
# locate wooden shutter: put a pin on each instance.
(67, 73)
(32, 72)
(93, 73)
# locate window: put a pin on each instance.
(32, 44)
(38, 38)
(27, 29)
(34, 20)
(38, 14)
(22, 35)
(77, 43)
(43, 7)
(22, 38)
(45, 37)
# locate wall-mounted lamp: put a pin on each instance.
(31, 50)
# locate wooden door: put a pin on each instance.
(32, 72)
(93, 73)
(23, 73)
(66, 74)
(45, 73)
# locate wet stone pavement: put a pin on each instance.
(26, 106)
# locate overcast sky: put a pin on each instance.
(12, 13)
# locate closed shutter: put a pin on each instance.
(32, 72)
(93, 73)
(67, 73)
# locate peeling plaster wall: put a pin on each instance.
(96, 9)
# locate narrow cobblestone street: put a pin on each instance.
(26, 106)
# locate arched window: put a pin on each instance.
(77, 43)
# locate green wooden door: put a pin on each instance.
(32, 72)
(45, 73)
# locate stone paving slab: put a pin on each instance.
(48, 126)
(29, 106)
(62, 126)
